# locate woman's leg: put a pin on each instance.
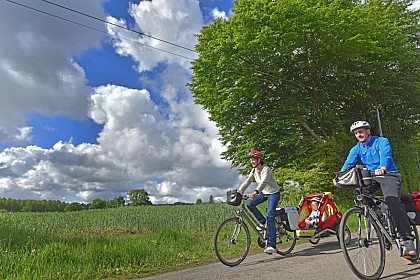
(273, 200)
(252, 206)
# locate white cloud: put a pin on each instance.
(169, 193)
(37, 74)
(36, 173)
(135, 147)
(416, 5)
(216, 13)
(171, 21)
(141, 139)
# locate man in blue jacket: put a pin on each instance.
(376, 154)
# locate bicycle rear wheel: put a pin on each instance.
(232, 242)
(415, 233)
(285, 240)
(365, 253)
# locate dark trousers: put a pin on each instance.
(390, 185)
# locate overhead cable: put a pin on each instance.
(120, 26)
(96, 29)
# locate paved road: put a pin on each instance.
(322, 261)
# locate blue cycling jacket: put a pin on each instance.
(377, 153)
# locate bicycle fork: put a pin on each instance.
(237, 230)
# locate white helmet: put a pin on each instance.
(317, 199)
(359, 124)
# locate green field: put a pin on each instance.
(117, 243)
(112, 243)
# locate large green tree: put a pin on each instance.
(98, 203)
(139, 197)
(290, 76)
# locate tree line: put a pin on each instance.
(135, 198)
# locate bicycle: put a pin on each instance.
(375, 232)
(233, 238)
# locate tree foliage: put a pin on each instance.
(289, 77)
(98, 203)
(139, 197)
(116, 202)
(31, 205)
(74, 206)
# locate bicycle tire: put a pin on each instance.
(314, 241)
(232, 241)
(347, 234)
(366, 258)
(285, 240)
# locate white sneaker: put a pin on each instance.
(409, 249)
(270, 250)
(260, 227)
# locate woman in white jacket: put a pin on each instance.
(267, 190)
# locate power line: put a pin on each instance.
(120, 26)
(93, 28)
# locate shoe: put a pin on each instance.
(270, 250)
(409, 250)
(260, 227)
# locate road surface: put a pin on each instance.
(322, 261)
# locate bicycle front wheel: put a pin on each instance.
(232, 242)
(365, 253)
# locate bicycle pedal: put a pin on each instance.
(388, 246)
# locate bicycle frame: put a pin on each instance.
(387, 232)
(244, 214)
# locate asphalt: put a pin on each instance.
(322, 261)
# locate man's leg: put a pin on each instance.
(391, 188)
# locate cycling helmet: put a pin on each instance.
(234, 197)
(359, 124)
(255, 154)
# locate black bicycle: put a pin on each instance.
(373, 231)
(233, 238)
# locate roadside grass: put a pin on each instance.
(112, 243)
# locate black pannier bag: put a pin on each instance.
(411, 208)
(290, 216)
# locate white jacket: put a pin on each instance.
(267, 184)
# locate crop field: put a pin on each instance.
(117, 243)
(111, 243)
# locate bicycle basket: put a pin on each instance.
(234, 197)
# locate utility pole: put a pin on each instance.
(379, 120)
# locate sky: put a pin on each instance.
(93, 110)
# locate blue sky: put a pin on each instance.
(86, 115)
